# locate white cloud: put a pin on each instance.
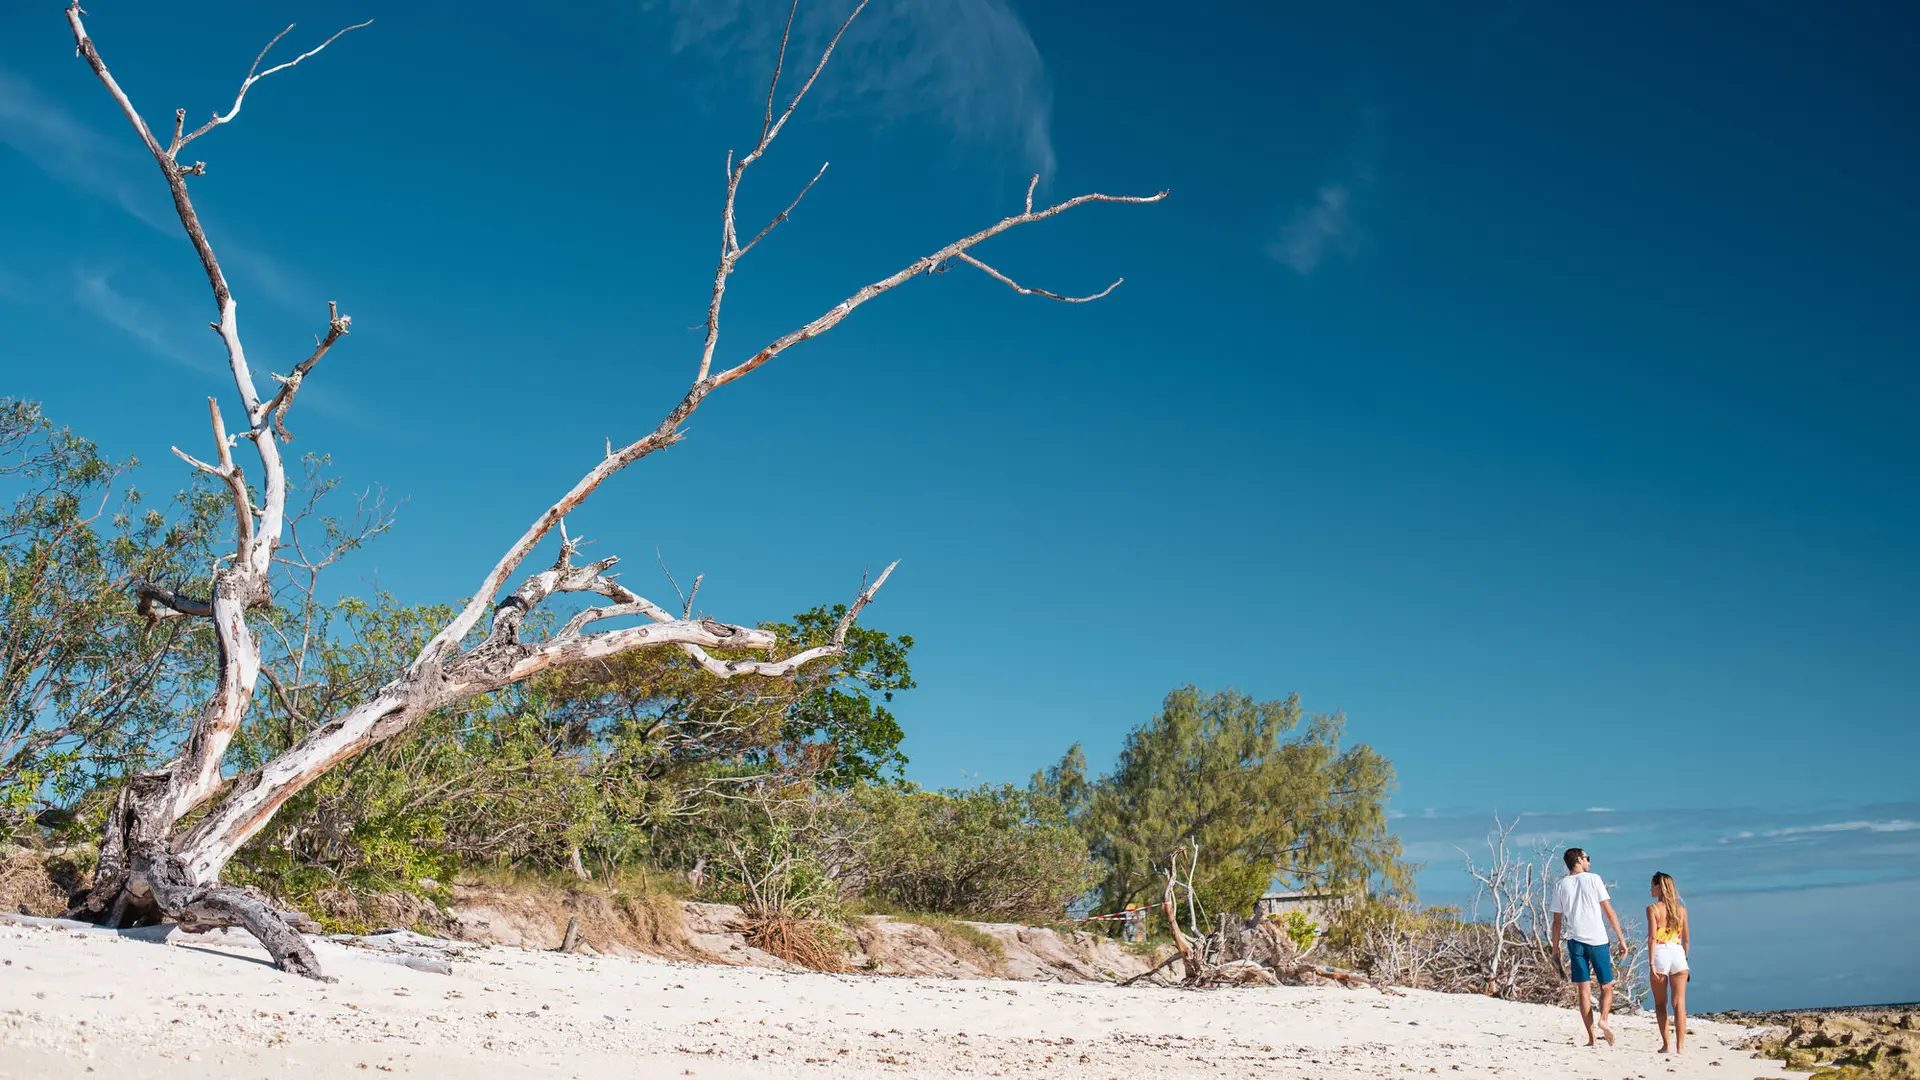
(55, 141)
(1318, 229)
(1791, 832)
(1328, 226)
(968, 65)
(1599, 809)
(112, 166)
(96, 293)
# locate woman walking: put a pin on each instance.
(1668, 936)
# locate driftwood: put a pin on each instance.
(162, 933)
(1239, 952)
(154, 934)
(151, 869)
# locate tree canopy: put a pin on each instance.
(88, 689)
(1264, 788)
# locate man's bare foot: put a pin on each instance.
(1663, 1049)
(1607, 1034)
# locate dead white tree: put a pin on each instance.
(151, 867)
(1509, 885)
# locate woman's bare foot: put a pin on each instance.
(1663, 1049)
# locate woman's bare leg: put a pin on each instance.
(1660, 1007)
(1679, 980)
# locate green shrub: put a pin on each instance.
(1300, 930)
(986, 852)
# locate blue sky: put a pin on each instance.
(1535, 385)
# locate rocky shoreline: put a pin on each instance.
(1867, 1042)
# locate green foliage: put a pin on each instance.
(1266, 791)
(491, 781)
(1395, 940)
(643, 754)
(988, 852)
(834, 708)
(780, 850)
(88, 690)
(679, 730)
(1301, 930)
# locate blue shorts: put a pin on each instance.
(1582, 956)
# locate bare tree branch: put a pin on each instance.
(925, 264)
(867, 593)
(240, 98)
(1024, 291)
(782, 216)
(229, 473)
(730, 249)
(779, 63)
(338, 326)
(158, 602)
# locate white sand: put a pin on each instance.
(80, 1004)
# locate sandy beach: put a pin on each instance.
(76, 1004)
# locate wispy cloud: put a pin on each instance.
(111, 166)
(1327, 226)
(969, 66)
(1795, 832)
(1317, 230)
(63, 147)
(1730, 849)
(94, 291)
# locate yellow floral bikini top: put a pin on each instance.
(1667, 935)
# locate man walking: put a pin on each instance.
(1580, 904)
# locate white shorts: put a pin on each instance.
(1669, 958)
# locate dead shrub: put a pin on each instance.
(807, 942)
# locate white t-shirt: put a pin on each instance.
(1577, 899)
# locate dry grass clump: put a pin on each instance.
(656, 922)
(33, 883)
(807, 942)
(637, 911)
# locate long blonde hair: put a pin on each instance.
(1673, 915)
